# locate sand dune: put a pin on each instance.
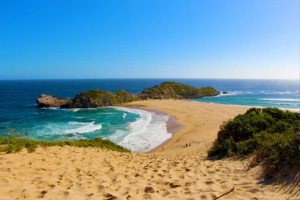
(171, 172)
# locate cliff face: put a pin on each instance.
(173, 90)
(101, 98)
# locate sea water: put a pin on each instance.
(284, 94)
(135, 129)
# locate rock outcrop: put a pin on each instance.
(101, 98)
(174, 90)
(51, 101)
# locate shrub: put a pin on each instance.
(270, 134)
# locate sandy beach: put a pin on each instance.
(172, 171)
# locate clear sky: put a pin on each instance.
(51, 39)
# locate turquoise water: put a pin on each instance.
(135, 129)
(284, 99)
(55, 124)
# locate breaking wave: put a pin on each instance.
(146, 133)
(84, 128)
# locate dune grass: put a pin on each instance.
(15, 143)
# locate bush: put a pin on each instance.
(270, 134)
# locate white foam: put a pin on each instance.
(231, 93)
(283, 92)
(118, 136)
(237, 93)
(286, 100)
(51, 108)
(79, 123)
(148, 132)
(86, 128)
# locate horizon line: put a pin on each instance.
(32, 79)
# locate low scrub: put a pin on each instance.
(270, 134)
(15, 143)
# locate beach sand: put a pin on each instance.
(172, 171)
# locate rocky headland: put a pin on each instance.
(51, 101)
(101, 98)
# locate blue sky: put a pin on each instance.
(52, 39)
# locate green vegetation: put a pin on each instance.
(174, 90)
(271, 135)
(15, 143)
(124, 97)
(100, 98)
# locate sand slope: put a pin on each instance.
(173, 172)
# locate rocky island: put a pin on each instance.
(101, 98)
(174, 90)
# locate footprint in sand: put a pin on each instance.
(209, 182)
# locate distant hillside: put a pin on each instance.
(174, 90)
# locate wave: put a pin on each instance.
(51, 108)
(235, 93)
(283, 92)
(86, 128)
(79, 123)
(79, 117)
(146, 133)
(278, 99)
(117, 136)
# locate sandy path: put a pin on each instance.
(172, 173)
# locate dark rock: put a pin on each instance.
(51, 101)
(224, 92)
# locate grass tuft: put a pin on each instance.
(16, 142)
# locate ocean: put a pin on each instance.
(135, 129)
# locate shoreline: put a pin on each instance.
(176, 172)
(187, 128)
(172, 125)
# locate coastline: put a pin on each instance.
(172, 125)
(186, 134)
(174, 172)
